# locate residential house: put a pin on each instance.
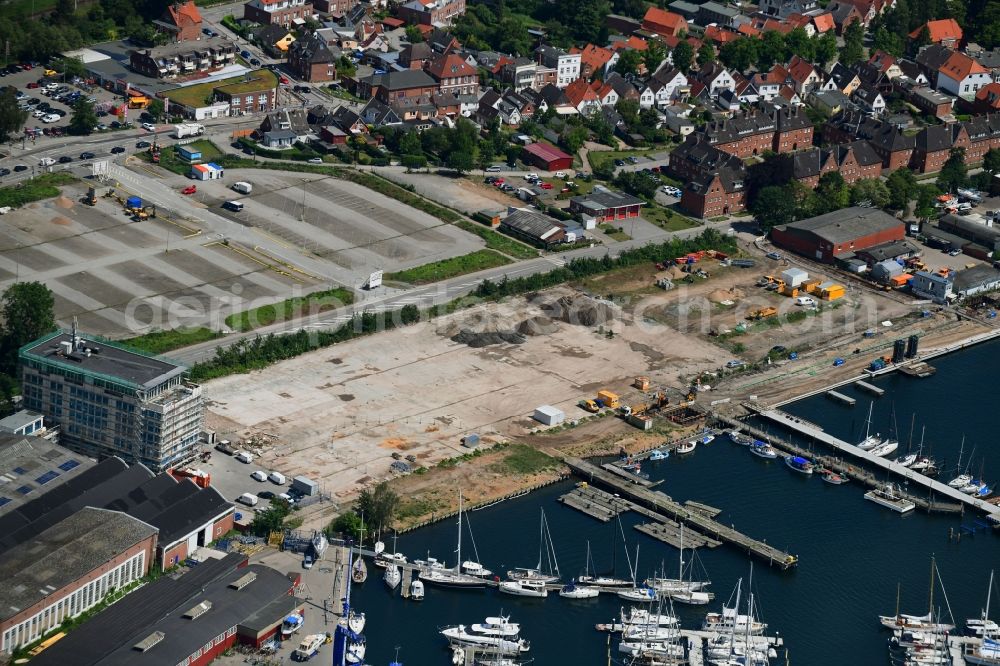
(556, 98)
(719, 36)
(785, 8)
(931, 59)
(415, 56)
(667, 85)
(431, 12)
(933, 145)
(823, 23)
(567, 65)
(719, 193)
(181, 21)
(935, 103)
(845, 78)
(885, 63)
(830, 102)
(282, 12)
(843, 14)
(257, 93)
(714, 12)
(582, 97)
(729, 102)
(378, 114)
(688, 10)
(606, 93)
(664, 23)
(394, 86)
(869, 100)
(492, 105)
(274, 39)
(311, 59)
(808, 165)
(768, 84)
(744, 93)
(988, 99)
(781, 131)
(682, 127)
(335, 8)
(453, 74)
(945, 32)
(962, 76)
(856, 160)
(282, 129)
(911, 71)
(803, 75)
(891, 145)
(595, 61)
(181, 59)
(716, 78)
(625, 88)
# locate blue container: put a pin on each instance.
(134, 202)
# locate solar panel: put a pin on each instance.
(20, 470)
(5, 500)
(45, 478)
(68, 465)
(24, 490)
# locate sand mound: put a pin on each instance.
(485, 338)
(59, 219)
(537, 326)
(580, 310)
(64, 202)
(720, 295)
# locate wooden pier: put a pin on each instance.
(871, 388)
(709, 511)
(919, 369)
(839, 465)
(629, 476)
(669, 532)
(595, 503)
(840, 397)
(664, 505)
(936, 487)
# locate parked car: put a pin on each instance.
(266, 495)
(494, 168)
(805, 301)
(735, 363)
(20, 167)
(619, 163)
(301, 89)
(546, 186)
(190, 189)
(284, 80)
(307, 561)
(65, 159)
(245, 54)
(255, 62)
(142, 144)
(774, 255)
(531, 176)
(149, 127)
(316, 160)
(4, 172)
(561, 174)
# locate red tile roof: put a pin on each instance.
(824, 22)
(989, 95)
(449, 66)
(800, 69)
(546, 151)
(663, 22)
(633, 42)
(184, 14)
(578, 92)
(748, 30)
(714, 33)
(940, 30)
(593, 56)
(882, 61)
(958, 66)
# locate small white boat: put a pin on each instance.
(763, 450)
(641, 594)
(573, 591)
(799, 464)
(356, 651)
(416, 590)
(476, 569)
(524, 588)
(885, 448)
(392, 576)
(906, 460)
(657, 455)
(729, 621)
(889, 496)
(739, 438)
(430, 563)
(461, 635)
(960, 481)
(687, 447)
(356, 622)
(691, 597)
(643, 617)
(308, 647)
(532, 575)
(290, 625)
(383, 559)
(319, 544)
(707, 438)
(499, 627)
(870, 442)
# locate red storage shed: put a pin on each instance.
(546, 156)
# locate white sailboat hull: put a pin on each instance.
(521, 589)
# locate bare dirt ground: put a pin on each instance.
(465, 194)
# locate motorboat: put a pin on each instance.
(430, 563)
(383, 559)
(736, 437)
(290, 625)
(833, 478)
(687, 447)
(356, 651)
(572, 590)
(416, 590)
(641, 594)
(706, 438)
(763, 450)
(308, 647)
(392, 576)
(476, 569)
(888, 495)
(799, 464)
(981, 627)
(356, 622)
(657, 455)
(885, 448)
(691, 597)
(730, 621)
(462, 635)
(498, 627)
(986, 653)
(524, 588)
(643, 617)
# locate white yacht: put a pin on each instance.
(640, 594)
(763, 450)
(888, 495)
(524, 588)
(729, 621)
(416, 590)
(462, 635)
(687, 447)
(290, 625)
(356, 622)
(885, 448)
(392, 576)
(498, 627)
(574, 591)
(476, 569)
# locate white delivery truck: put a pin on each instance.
(243, 187)
(277, 477)
(185, 130)
(248, 499)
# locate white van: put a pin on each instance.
(243, 187)
(805, 300)
(244, 457)
(248, 499)
(277, 477)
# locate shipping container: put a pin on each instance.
(608, 399)
(549, 415)
(307, 487)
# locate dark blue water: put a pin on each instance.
(852, 552)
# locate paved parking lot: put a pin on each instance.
(117, 275)
(232, 478)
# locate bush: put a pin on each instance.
(35, 189)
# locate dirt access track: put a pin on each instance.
(340, 413)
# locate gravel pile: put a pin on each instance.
(486, 338)
(537, 326)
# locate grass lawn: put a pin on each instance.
(599, 157)
(319, 301)
(523, 459)
(44, 186)
(581, 186)
(667, 219)
(499, 242)
(159, 342)
(613, 233)
(196, 95)
(449, 268)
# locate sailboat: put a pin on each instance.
(392, 576)
(606, 582)
(870, 441)
(473, 567)
(962, 479)
(685, 591)
(573, 590)
(384, 559)
(452, 577)
(923, 623)
(359, 572)
(983, 626)
(546, 555)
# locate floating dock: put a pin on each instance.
(670, 533)
(595, 503)
(709, 511)
(942, 489)
(840, 397)
(629, 476)
(665, 506)
(919, 369)
(871, 388)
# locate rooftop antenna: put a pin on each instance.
(74, 338)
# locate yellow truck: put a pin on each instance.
(608, 399)
(589, 406)
(762, 313)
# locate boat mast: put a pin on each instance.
(541, 540)
(986, 613)
(898, 585)
(680, 557)
(913, 422)
(930, 601)
(458, 563)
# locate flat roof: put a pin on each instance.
(19, 420)
(106, 358)
(110, 637)
(63, 554)
(31, 465)
(843, 226)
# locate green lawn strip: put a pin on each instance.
(612, 232)
(288, 309)
(449, 268)
(40, 187)
(667, 219)
(159, 342)
(497, 241)
(599, 157)
(523, 459)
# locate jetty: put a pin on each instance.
(668, 509)
(941, 489)
(871, 388)
(840, 397)
(629, 476)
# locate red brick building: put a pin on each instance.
(605, 205)
(838, 235)
(664, 23)
(783, 131)
(934, 145)
(279, 12)
(431, 12)
(715, 194)
(182, 21)
(311, 59)
(546, 156)
(453, 74)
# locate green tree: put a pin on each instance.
(413, 161)
(572, 138)
(799, 43)
(346, 67)
(773, 206)
(771, 49)
(70, 67)
(706, 53)
(461, 161)
(926, 198)
(953, 174)
(902, 186)
(409, 143)
(832, 193)
(683, 56)
(887, 41)
(27, 309)
(11, 117)
(654, 55)
(628, 62)
(155, 108)
(826, 48)
(991, 161)
(854, 49)
(270, 519)
(870, 191)
(739, 54)
(413, 34)
(349, 524)
(378, 505)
